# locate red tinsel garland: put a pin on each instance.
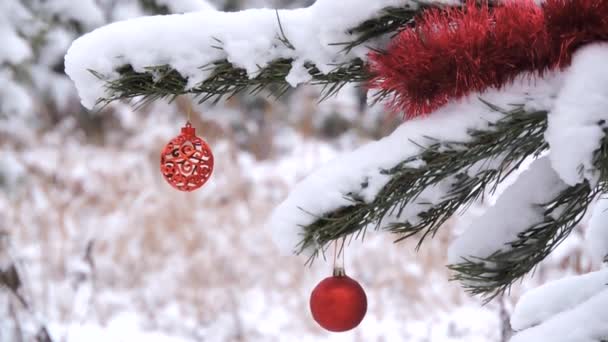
(452, 52)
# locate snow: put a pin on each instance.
(125, 326)
(85, 12)
(15, 49)
(124, 10)
(249, 39)
(540, 304)
(480, 326)
(14, 99)
(327, 189)
(577, 122)
(597, 231)
(57, 41)
(516, 210)
(584, 323)
(183, 6)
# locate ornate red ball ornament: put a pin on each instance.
(186, 162)
(338, 303)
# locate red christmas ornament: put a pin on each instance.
(338, 303)
(186, 162)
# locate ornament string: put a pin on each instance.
(335, 253)
(339, 270)
(189, 111)
(343, 250)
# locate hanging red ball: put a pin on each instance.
(186, 162)
(338, 303)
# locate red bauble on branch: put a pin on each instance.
(338, 303)
(186, 162)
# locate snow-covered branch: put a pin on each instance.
(579, 120)
(211, 53)
(530, 219)
(567, 310)
(417, 187)
(369, 185)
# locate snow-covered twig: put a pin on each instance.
(212, 54)
(529, 220)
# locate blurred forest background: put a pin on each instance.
(95, 246)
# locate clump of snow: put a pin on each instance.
(14, 98)
(328, 188)
(543, 302)
(86, 12)
(249, 39)
(183, 6)
(56, 42)
(298, 74)
(577, 122)
(584, 323)
(517, 209)
(124, 10)
(597, 232)
(15, 49)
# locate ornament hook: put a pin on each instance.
(188, 130)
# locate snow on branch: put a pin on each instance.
(432, 168)
(407, 175)
(540, 210)
(183, 6)
(14, 98)
(540, 304)
(579, 119)
(530, 219)
(213, 53)
(583, 323)
(518, 208)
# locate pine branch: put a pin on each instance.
(163, 82)
(509, 141)
(495, 274)
(600, 157)
(392, 20)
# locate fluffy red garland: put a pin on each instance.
(455, 51)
